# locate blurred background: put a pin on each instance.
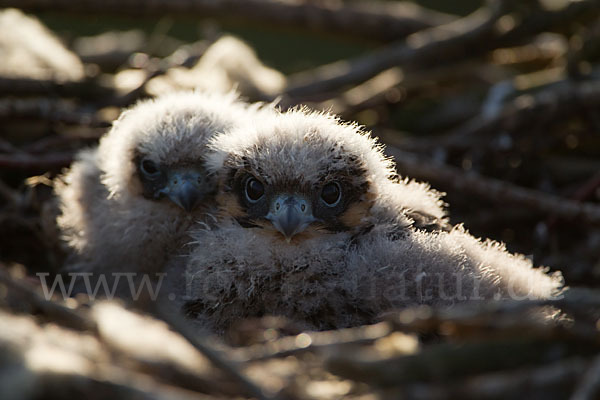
(495, 103)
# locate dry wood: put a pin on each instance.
(51, 310)
(31, 162)
(494, 190)
(464, 38)
(373, 20)
(177, 323)
(551, 104)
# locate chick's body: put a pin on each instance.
(314, 227)
(127, 204)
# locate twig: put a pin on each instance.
(443, 361)
(589, 386)
(547, 381)
(554, 103)
(492, 189)
(588, 188)
(373, 20)
(444, 42)
(313, 342)
(42, 162)
(10, 195)
(540, 20)
(90, 89)
(172, 317)
(111, 382)
(464, 38)
(53, 110)
(51, 309)
(363, 95)
(486, 322)
(49, 143)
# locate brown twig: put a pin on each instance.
(589, 385)
(373, 20)
(444, 42)
(442, 362)
(52, 310)
(495, 190)
(90, 90)
(10, 195)
(176, 322)
(500, 320)
(556, 102)
(48, 144)
(548, 381)
(363, 95)
(30, 162)
(461, 39)
(47, 109)
(313, 342)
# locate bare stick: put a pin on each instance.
(555, 103)
(43, 162)
(25, 86)
(371, 20)
(172, 317)
(464, 38)
(443, 42)
(589, 386)
(55, 311)
(313, 342)
(48, 109)
(548, 381)
(492, 189)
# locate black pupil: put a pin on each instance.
(149, 167)
(254, 189)
(330, 193)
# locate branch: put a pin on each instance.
(52, 310)
(494, 190)
(589, 385)
(549, 381)
(461, 39)
(379, 21)
(50, 110)
(444, 361)
(89, 89)
(444, 42)
(172, 317)
(25, 161)
(561, 100)
(313, 342)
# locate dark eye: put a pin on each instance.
(254, 190)
(331, 194)
(149, 168)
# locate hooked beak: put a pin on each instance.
(184, 189)
(290, 215)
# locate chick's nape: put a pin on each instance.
(126, 205)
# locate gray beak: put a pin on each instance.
(184, 188)
(290, 215)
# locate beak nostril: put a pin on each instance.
(290, 215)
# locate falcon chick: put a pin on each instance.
(314, 226)
(127, 204)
